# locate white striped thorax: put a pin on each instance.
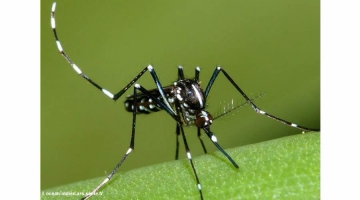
(191, 99)
(190, 95)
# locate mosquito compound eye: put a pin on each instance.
(203, 119)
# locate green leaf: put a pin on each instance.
(285, 168)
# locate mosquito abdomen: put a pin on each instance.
(143, 104)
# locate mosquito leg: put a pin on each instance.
(181, 73)
(131, 148)
(178, 120)
(214, 140)
(160, 88)
(177, 141)
(257, 109)
(197, 73)
(187, 149)
(201, 141)
(132, 142)
(161, 104)
(106, 92)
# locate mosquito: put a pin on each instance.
(184, 101)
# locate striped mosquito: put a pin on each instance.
(184, 101)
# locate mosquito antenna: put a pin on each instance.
(227, 110)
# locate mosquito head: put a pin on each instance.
(203, 119)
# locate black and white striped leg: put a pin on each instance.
(181, 130)
(214, 140)
(177, 130)
(160, 88)
(177, 141)
(105, 91)
(77, 69)
(257, 109)
(197, 73)
(187, 149)
(131, 148)
(181, 73)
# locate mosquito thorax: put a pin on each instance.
(190, 95)
(191, 99)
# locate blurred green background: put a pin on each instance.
(266, 46)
